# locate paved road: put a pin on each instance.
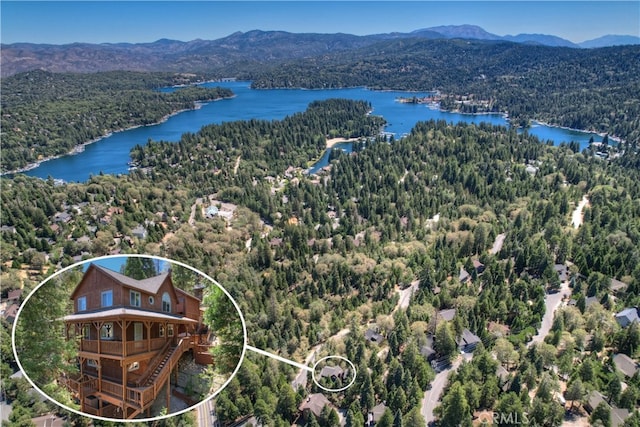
(576, 216)
(497, 244)
(405, 295)
(551, 302)
(207, 414)
(192, 215)
(432, 396)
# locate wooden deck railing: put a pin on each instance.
(115, 347)
(90, 345)
(111, 347)
(139, 397)
(112, 388)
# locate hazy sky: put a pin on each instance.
(146, 21)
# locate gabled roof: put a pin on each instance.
(185, 293)
(377, 412)
(150, 285)
(627, 316)
(468, 338)
(332, 371)
(447, 314)
(618, 415)
(373, 336)
(314, 403)
(464, 275)
(14, 294)
(11, 313)
(617, 285)
(625, 364)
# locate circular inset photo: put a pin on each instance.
(131, 337)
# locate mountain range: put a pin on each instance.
(252, 47)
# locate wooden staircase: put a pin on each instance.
(159, 367)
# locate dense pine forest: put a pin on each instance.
(310, 257)
(48, 114)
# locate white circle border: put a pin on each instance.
(134, 420)
(334, 390)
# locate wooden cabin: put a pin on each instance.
(131, 334)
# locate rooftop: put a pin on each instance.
(314, 403)
(122, 312)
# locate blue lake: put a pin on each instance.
(110, 155)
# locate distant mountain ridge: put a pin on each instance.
(610, 40)
(254, 46)
(478, 33)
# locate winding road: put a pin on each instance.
(301, 379)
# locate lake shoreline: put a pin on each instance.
(79, 148)
(270, 105)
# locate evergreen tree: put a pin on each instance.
(139, 267)
(601, 414)
(445, 343)
(455, 409)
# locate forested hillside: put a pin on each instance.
(584, 89)
(310, 257)
(46, 114)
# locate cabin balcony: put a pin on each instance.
(115, 348)
(102, 394)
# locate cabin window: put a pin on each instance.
(166, 302)
(82, 303)
(170, 330)
(137, 331)
(134, 298)
(161, 331)
(86, 331)
(107, 298)
(151, 301)
(92, 363)
(106, 332)
(134, 366)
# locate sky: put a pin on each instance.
(115, 263)
(57, 22)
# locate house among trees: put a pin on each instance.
(446, 315)
(427, 350)
(131, 333)
(627, 316)
(375, 414)
(562, 271)
(617, 415)
(468, 341)
(373, 336)
(314, 403)
(334, 372)
(477, 266)
(625, 364)
(11, 313)
(464, 275)
(616, 285)
(139, 232)
(14, 295)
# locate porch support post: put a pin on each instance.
(124, 325)
(148, 325)
(169, 393)
(124, 389)
(98, 326)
